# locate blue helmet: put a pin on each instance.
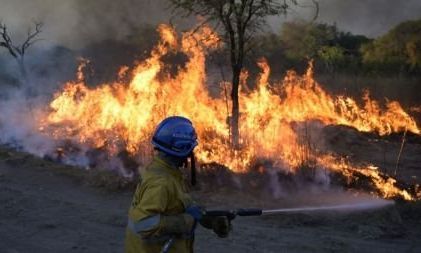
(175, 136)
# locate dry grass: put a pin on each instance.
(403, 89)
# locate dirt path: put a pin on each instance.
(43, 210)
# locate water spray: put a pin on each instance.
(231, 214)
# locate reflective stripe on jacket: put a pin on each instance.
(161, 194)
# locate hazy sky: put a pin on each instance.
(369, 17)
(75, 23)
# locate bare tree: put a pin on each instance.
(239, 19)
(18, 51)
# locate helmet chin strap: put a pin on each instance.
(193, 169)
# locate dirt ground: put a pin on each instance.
(47, 207)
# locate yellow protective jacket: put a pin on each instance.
(157, 211)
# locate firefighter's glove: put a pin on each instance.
(221, 225)
(195, 211)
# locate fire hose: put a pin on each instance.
(232, 214)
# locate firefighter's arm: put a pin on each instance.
(153, 204)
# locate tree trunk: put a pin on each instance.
(235, 133)
(22, 69)
(25, 82)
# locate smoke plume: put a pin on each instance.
(75, 23)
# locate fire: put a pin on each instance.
(121, 115)
(385, 185)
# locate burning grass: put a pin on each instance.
(117, 119)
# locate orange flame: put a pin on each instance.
(123, 115)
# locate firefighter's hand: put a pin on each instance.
(195, 211)
(219, 224)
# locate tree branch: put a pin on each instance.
(7, 41)
(15, 50)
(30, 38)
(316, 14)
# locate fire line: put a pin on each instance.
(120, 116)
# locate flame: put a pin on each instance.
(385, 185)
(122, 115)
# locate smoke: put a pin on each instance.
(18, 127)
(368, 17)
(76, 23)
(69, 27)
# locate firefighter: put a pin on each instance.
(162, 213)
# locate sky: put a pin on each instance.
(75, 23)
(367, 17)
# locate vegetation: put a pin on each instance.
(396, 53)
(389, 66)
(399, 50)
(239, 21)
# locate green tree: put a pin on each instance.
(303, 40)
(332, 57)
(399, 49)
(330, 48)
(351, 42)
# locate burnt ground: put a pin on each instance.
(48, 207)
(381, 151)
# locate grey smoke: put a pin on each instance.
(76, 23)
(367, 17)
